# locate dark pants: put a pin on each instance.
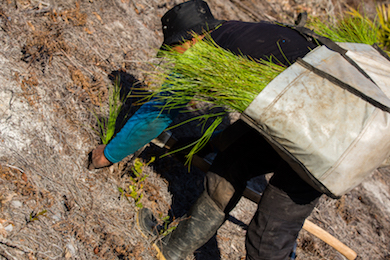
(285, 203)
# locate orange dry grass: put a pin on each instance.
(44, 44)
(22, 186)
(92, 89)
(73, 16)
(29, 88)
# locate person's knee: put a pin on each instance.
(219, 189)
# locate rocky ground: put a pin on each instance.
(58, 60)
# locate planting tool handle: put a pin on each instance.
(329, 239)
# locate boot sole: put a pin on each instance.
(159, 255)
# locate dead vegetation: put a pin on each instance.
(91, 89)
(57, 59)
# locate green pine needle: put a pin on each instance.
(351, 27)
(106, 126)
(208, 73)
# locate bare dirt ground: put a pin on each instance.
(57, 62)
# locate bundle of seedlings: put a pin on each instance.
(211, 74)
(352, 26)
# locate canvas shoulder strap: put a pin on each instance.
(310, 34)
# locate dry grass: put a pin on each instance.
(74, 16)
(29, 88)
(87, 88)
(42, 45)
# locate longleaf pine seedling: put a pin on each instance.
(356, 27)
(208, 73)
(211, 74)
(351, 27)
(106, 125)
(383, 12)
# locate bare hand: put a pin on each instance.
(97, 159)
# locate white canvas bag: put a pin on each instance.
(334, 130)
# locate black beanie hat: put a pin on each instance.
(181, 21)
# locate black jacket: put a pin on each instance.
(262, 40)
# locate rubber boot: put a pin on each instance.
(147, 223)
(200, 224)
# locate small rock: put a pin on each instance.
(16, 204)
(9, 228)
(57, 217)
(71, 249)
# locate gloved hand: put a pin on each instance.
(96, 158)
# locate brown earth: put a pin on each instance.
(57, 61)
